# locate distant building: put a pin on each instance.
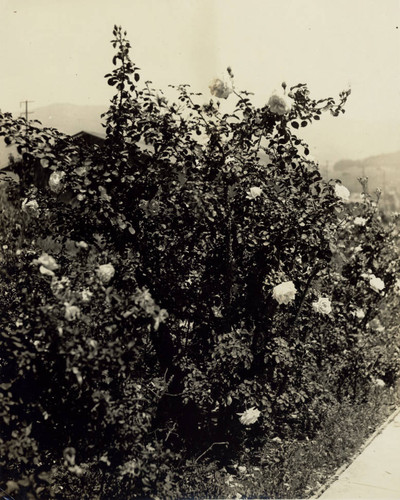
(89, 137)
(5, 153)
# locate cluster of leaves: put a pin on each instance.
(126, 383)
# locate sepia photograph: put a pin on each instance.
(199, 249)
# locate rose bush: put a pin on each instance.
(169, 283)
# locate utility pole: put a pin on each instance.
(26, 113)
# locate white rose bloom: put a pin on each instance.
(55, 181)
(249, 416)
(82, 244)
(219, 88)
(105, 272)
(71, 312)
(379, 382)
(359, 313)
(376, 283)
(47, 261)
(342, 192)
(86, 295)
(253, 193)
(279, 104)
(322, 305)
(284, 292)
(30, 206)
(360, 221)
(45, 271)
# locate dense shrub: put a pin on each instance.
(182, 293)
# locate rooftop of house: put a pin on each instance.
(91, 136)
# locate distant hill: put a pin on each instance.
(71, 118)
(332, 139)
(383, 171)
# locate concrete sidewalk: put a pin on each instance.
(375, 473)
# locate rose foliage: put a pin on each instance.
(157, 291)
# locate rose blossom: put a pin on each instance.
(82, 244)
(376, 283)
(249, 416)
(360, 221)
(359, 313)
(105, 272)
(55, 181)
(279, 104)
(71, 312)
(253, 193)
(284, 293)
(342, 192)
(322, 306)
(47, 261)
(219, 88)
(30, 206)
(86, 295)
(45, 271)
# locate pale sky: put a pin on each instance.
(54, 51)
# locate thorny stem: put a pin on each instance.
(304, 294)
(209, 448)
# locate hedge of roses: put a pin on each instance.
(182, 293)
